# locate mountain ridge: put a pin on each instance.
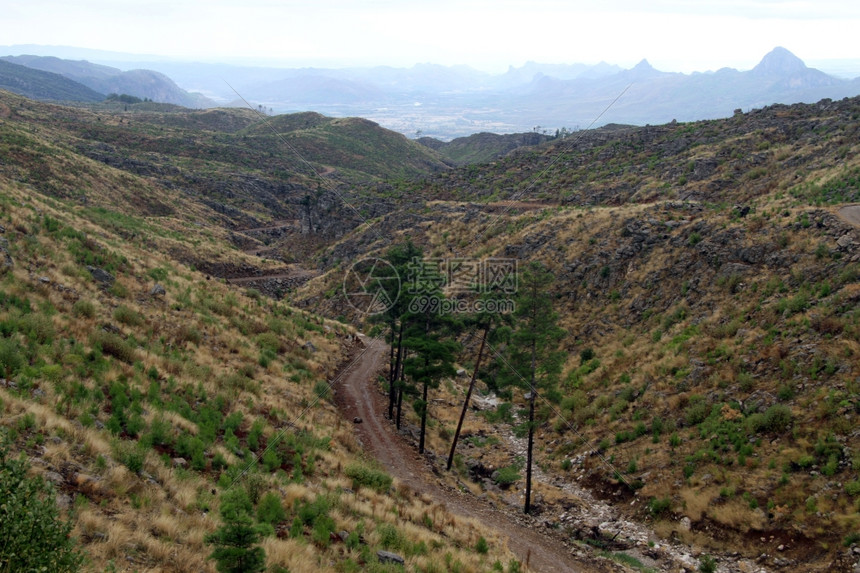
(144, 84)
(44, 85)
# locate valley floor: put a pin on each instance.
(541, 549)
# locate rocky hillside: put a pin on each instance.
(482, 147)
(228, 170)
(708, 275)
(44, 85)
(146, 393)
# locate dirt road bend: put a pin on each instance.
(356, 395)
(850, 214)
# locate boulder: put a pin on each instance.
(387, 557)
(102, 276)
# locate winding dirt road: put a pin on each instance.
(850, 214)
(356, 396)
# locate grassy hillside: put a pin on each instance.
(707, 275)
(709, 284)
(43, 85)
(482, 147)
(144, 391)
(360, 146)
(223, 169)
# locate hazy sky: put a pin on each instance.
(679, 35)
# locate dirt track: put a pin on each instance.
(356, 396)
(850, 214)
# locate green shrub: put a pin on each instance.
(127, 316)
(697, 412)
(11, 358)
(270, 510)
(481, 547)
(310, 511)
(235, 541)
(389, 536)
(777, 419)
(34, 538)
(270, 341)
(707, 564)
(130, 454)
(658, 507)
(37, 327)
(322, 390)
(363, 476)
(585, 355)
(113, 345)
(506, 476)
(255, 434)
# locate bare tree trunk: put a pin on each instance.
(424, 409)
(466, 401)
(532, 396)
(529, 455)
(400, 397)
(395, 370)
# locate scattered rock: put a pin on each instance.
(54, 478)
(845, 242)
(102, 276)
(64, 501)
(386, 557)
(685, 524)
(309, 346)
(357, 420)
(157, 290)
(180, 463)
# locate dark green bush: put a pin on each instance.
(270, 510)
(113, 345)
(658, 507)
(506, 475)
(32, 535)
(777, 419)
(363, 476)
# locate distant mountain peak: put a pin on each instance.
(780, 62)
(643, 66)
(643, 70)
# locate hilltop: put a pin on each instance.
(143, 84)
(43, 85)
(227, 170)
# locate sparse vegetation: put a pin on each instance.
(710, 360)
